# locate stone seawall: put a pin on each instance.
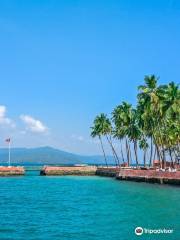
(151, 176)
(60, 171)
(107, 172)
(11, 171)
(128, 174)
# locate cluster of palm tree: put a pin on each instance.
(153, 126)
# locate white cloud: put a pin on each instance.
(5, 120)
(34, 125)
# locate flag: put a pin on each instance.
(8, 140)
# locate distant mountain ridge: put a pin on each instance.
(48, 155)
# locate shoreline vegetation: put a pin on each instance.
(152, 126)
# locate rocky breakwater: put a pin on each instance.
(152, 176)
(11, 171)
(75, 170)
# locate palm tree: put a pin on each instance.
(169, 96)
(134, 132)
(105, 129)
(97, 132)
(121, 116)
(107, 132)
(118, 131)
(144, 146)
(154, 123)
(147, 108)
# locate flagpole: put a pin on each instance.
(9, 162)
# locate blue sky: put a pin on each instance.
(64, 62)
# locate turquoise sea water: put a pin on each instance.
(85, 208)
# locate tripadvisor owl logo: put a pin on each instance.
(139, 231)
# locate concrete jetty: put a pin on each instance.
(11, 171)
(75, 170)
(151, 176)
(141, 175)
(123, 173)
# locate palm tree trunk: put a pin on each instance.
(115, 160)
(122, 155)
(170, 154)
(151, 153)
(164, 156)
(155, 151)
(130, 155)
(144, 157)
(159, 155)
(127, 151)
(161, 144)
(158, 151)
(135, 151)
(168, 140)
(155, 127)
(175, 155)
(113, 150)
(103, 152)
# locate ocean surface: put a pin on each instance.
(85, 208)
